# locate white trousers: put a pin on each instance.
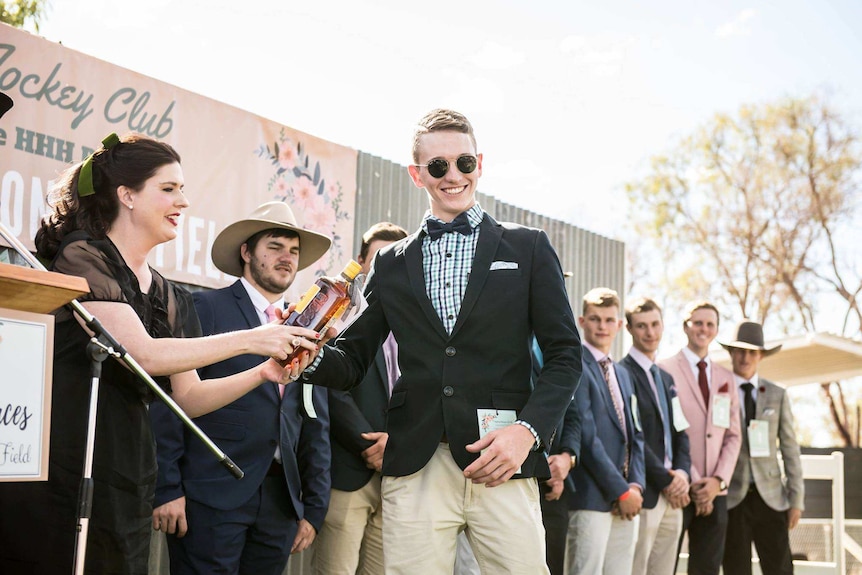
(599, 542)
(423, 514)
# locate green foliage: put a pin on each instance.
(744, 210)
(18, 12)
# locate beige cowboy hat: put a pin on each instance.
(226, 247)
(749, 335)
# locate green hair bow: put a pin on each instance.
(85, 176)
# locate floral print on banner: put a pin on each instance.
(298, 181)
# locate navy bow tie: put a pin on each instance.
(461, 224)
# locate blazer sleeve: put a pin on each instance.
(637, 473)
(314, 458)
(348, 422)
(790, 454)
(570, 434)
(732, 438)
(681, 443)
(554, 328)
(169, 435)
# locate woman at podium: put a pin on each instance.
(108, 213)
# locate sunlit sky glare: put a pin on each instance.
(568, 98)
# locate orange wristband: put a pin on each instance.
(624, 496)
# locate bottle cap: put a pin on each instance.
(351, 270)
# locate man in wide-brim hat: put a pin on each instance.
(227, 246)
(761, 506)
(749, 335)
(278, 435)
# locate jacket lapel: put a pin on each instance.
(243, 302)
(489, 238)
(685, 368)
(641, 379)
(593, 366)
(246, 308)
(416, 275)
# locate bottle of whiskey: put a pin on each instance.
(324, 302)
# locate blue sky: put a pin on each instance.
(569, 98)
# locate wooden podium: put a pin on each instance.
(26, 361)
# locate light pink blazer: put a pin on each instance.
(713, 449)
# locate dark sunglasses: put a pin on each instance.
(440, 167)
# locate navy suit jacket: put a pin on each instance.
(360, 410)
(657, 476)
(515, 289)
(248, 430)
(598, 480)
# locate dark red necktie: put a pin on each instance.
(702, 382)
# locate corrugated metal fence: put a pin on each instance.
(385, 192)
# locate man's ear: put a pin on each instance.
(415, 176)
(244, 253)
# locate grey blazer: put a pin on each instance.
(780, 490)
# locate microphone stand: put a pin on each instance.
(100, 347)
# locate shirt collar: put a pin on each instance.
(693, 359)
(598, 355)
(755, 379)
(641, 359)
(259, 302)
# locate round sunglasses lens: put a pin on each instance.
(466, 164)
(438, 168)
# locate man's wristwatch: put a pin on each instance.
(574, 461)
(721, 484)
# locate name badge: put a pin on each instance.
(758, 438)
(721, 410)
(493, 419)
(680, 423)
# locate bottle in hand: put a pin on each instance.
(324, 303)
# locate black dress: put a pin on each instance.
(38, 519)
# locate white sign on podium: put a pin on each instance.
(26, 359)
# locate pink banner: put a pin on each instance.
(66, 102)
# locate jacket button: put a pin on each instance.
(450, 351)
(708, 435)
(448, 391)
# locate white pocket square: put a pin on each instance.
(504, 266)
(768, 411)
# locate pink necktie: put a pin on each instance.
(270, 316)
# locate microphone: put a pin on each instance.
(5, 103)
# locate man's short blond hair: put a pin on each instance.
(696, 305)
(641, 305)
(600, 297)
(439, 120)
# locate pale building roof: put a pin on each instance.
(809, 358)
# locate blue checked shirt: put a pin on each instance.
(447, 263)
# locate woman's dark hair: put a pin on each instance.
(130, 163)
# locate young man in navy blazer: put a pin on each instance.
(278, 435)
(605, 492)
(463, 295)
(666, 446)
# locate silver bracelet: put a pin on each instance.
(533, 431)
